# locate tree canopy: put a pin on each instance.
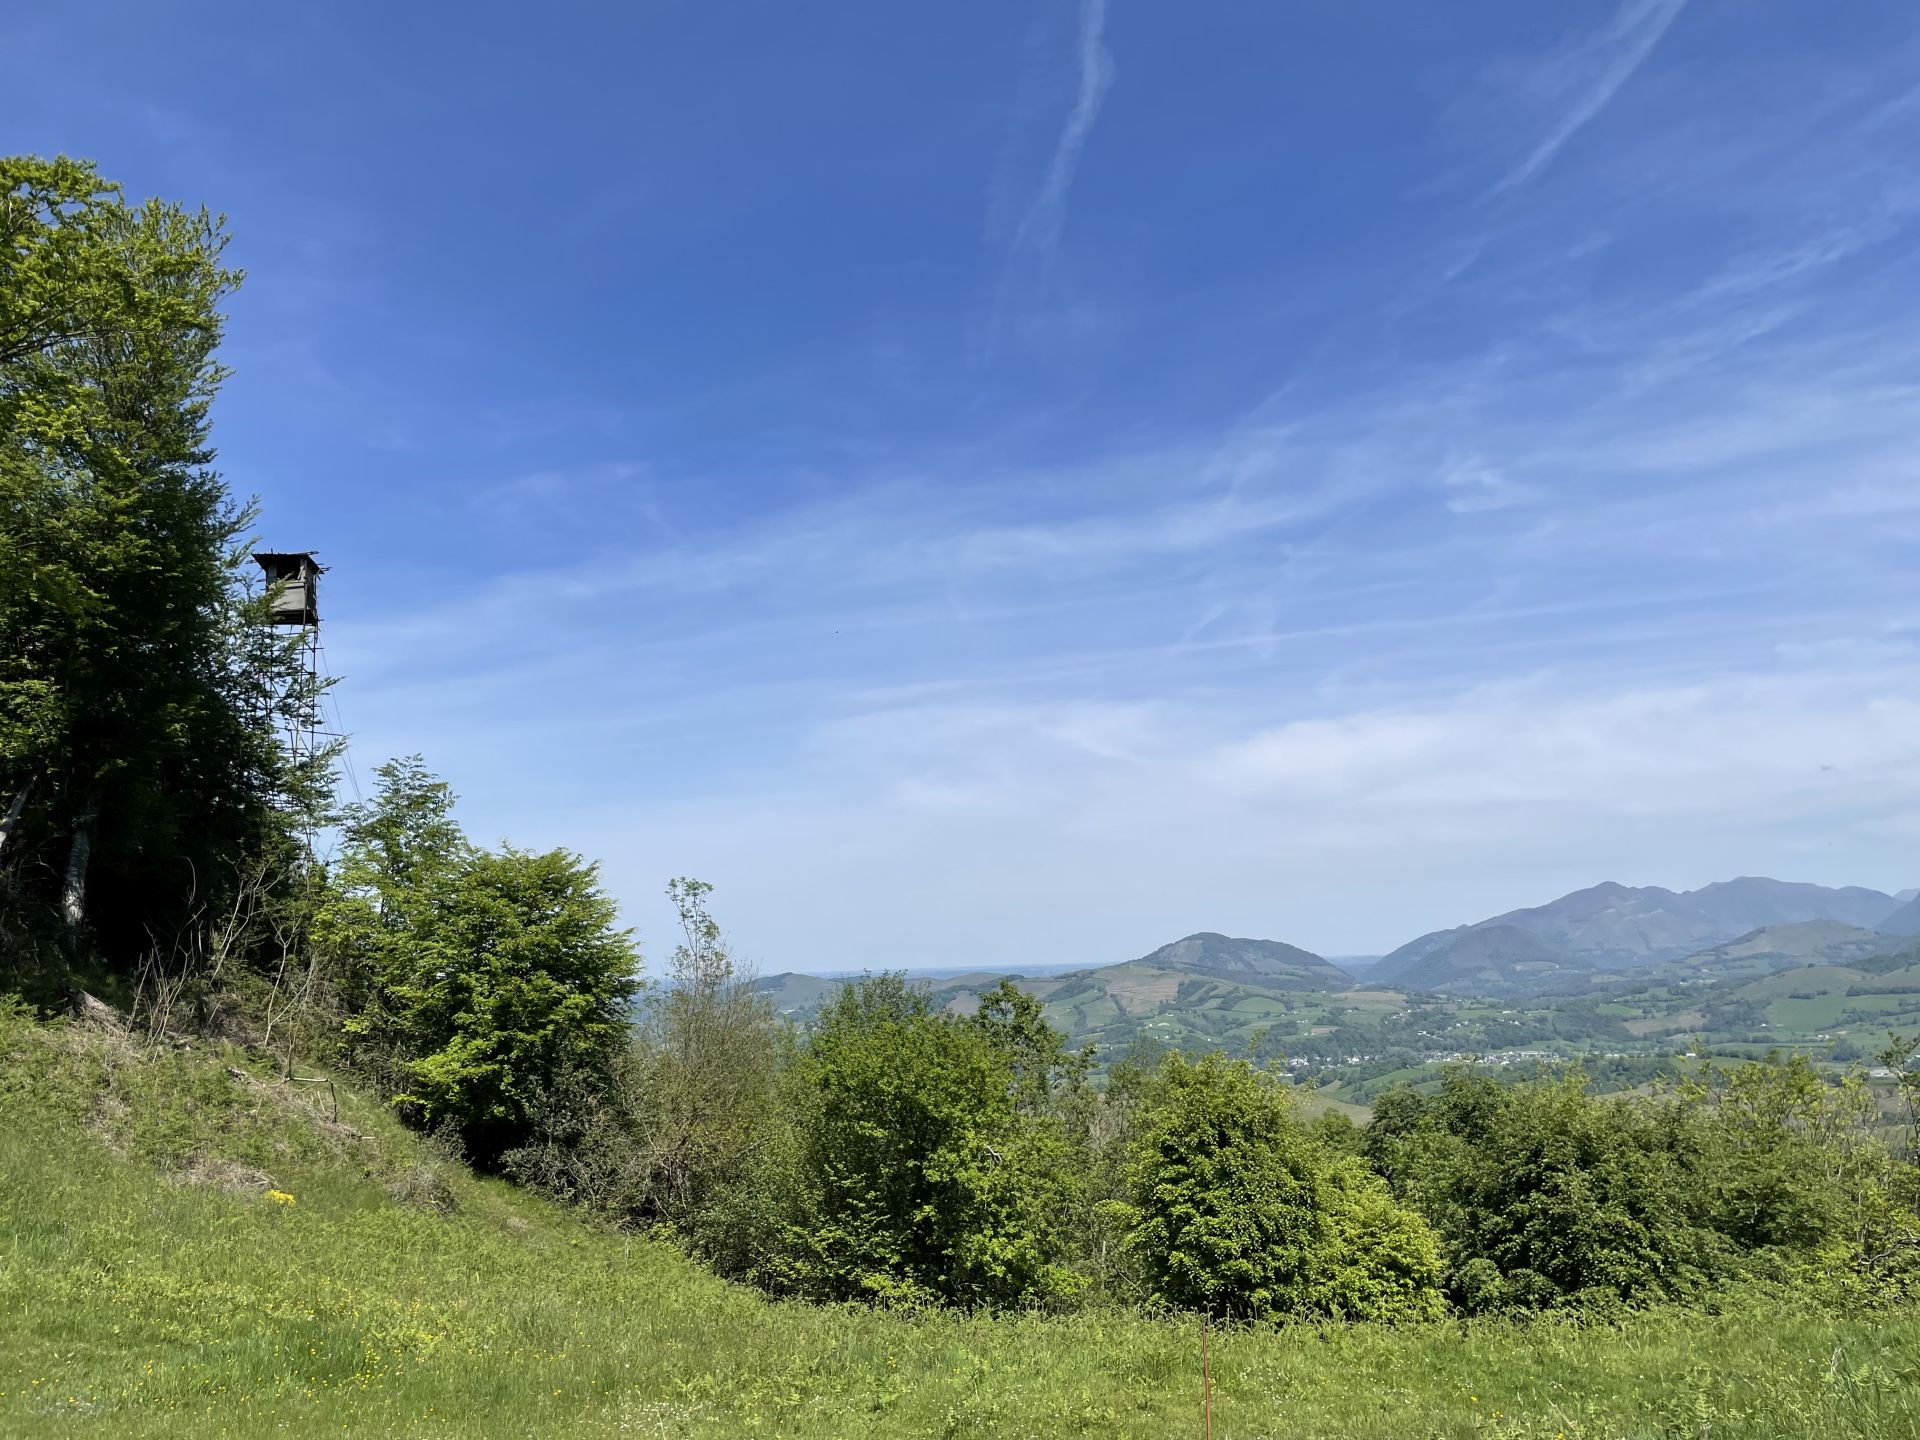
(138, 693)
(477, 980)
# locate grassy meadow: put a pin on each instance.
(188, 1248)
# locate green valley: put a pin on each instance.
(1823, 989)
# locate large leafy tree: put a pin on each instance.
(477, 982)
(1036, 1054)
(138, 693)
(530, 975)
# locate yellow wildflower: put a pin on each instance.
(279, 1197)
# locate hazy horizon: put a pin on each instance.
(1360, 959)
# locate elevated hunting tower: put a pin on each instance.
(293, 586)
(293, 602)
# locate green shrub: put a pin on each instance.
(921, 1179)
(1376, 1260)
(1788, 1168)
(1547, 1196)
(1241, 1213)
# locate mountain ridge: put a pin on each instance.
(1598, 935)
(1623, 927)
(1903, 921)
(1207, 952)
(1792, 945)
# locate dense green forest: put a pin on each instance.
(166, 861)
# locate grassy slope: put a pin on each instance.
(135, 1304)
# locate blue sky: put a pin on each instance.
(1017, 482)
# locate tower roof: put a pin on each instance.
(287, 562)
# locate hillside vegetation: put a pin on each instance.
(195, 1252)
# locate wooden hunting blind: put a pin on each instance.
(293, 586)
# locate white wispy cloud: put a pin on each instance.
(1030, 247)
(1474, 485)
(1582, 80)
(1040, 229)
(1737, 748)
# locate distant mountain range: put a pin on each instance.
(1593, 939)
(1623, 927)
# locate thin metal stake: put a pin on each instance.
(1206, 1378)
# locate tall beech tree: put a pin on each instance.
(139, 764)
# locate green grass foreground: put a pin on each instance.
(149, 1286)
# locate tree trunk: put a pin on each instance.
(13, 814)
(74, 898)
